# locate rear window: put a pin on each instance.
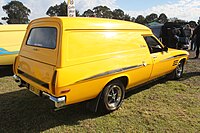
(43, 37)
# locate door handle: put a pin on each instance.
(144, 63)
(154, 57)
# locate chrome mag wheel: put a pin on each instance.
(179, 70)
(113, 97)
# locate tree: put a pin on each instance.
(88, 13)
(59, 10)
(1, 23)
(78, 13)
(133, 19)
(151, 18)
(118, 14)
(140, 19)
(162, 18)
(127, 17)
(17, 13)
(176, 20)
(102, 12)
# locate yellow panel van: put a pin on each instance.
(10, 42)
(71, 60)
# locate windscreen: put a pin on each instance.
(44, 37)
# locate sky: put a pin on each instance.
(182, 9)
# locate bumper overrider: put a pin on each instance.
(58, 101)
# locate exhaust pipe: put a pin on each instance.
(19, 81)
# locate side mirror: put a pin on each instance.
(165, 49)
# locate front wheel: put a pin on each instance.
(178, 72)
(112, 96)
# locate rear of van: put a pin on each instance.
(35, 67)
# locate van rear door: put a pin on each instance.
(41, 43)
(39, 52)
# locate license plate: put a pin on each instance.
(34, 90)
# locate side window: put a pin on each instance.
(153, 44)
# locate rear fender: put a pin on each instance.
(93, 104)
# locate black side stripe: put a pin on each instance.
(179, 55)
(174, 57)
(113, 72)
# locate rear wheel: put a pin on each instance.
(112, 96)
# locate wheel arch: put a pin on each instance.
(93, 104)
(123, 78)
(183, 59)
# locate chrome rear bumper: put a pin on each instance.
(59, 102)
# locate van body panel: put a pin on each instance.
(89, 53)
(11, 39)
(105, 45)
(98, 23)
(160, 62)
(7, 59)
(91, 69)
(136, 73)
(163, 59)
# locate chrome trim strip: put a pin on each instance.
(113, 72)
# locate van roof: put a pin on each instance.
(13, 27)
(94, 23)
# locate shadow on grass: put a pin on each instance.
(22, 111)
(144, 87)
(6, 71)
(193, 58)
(159, 81)
(189, 75)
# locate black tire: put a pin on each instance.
(112, 97)
(178, 72)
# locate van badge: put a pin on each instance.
(35, 49)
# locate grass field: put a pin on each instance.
(163, 106)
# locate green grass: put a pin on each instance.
(162, 106)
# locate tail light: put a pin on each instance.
(53, 83)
